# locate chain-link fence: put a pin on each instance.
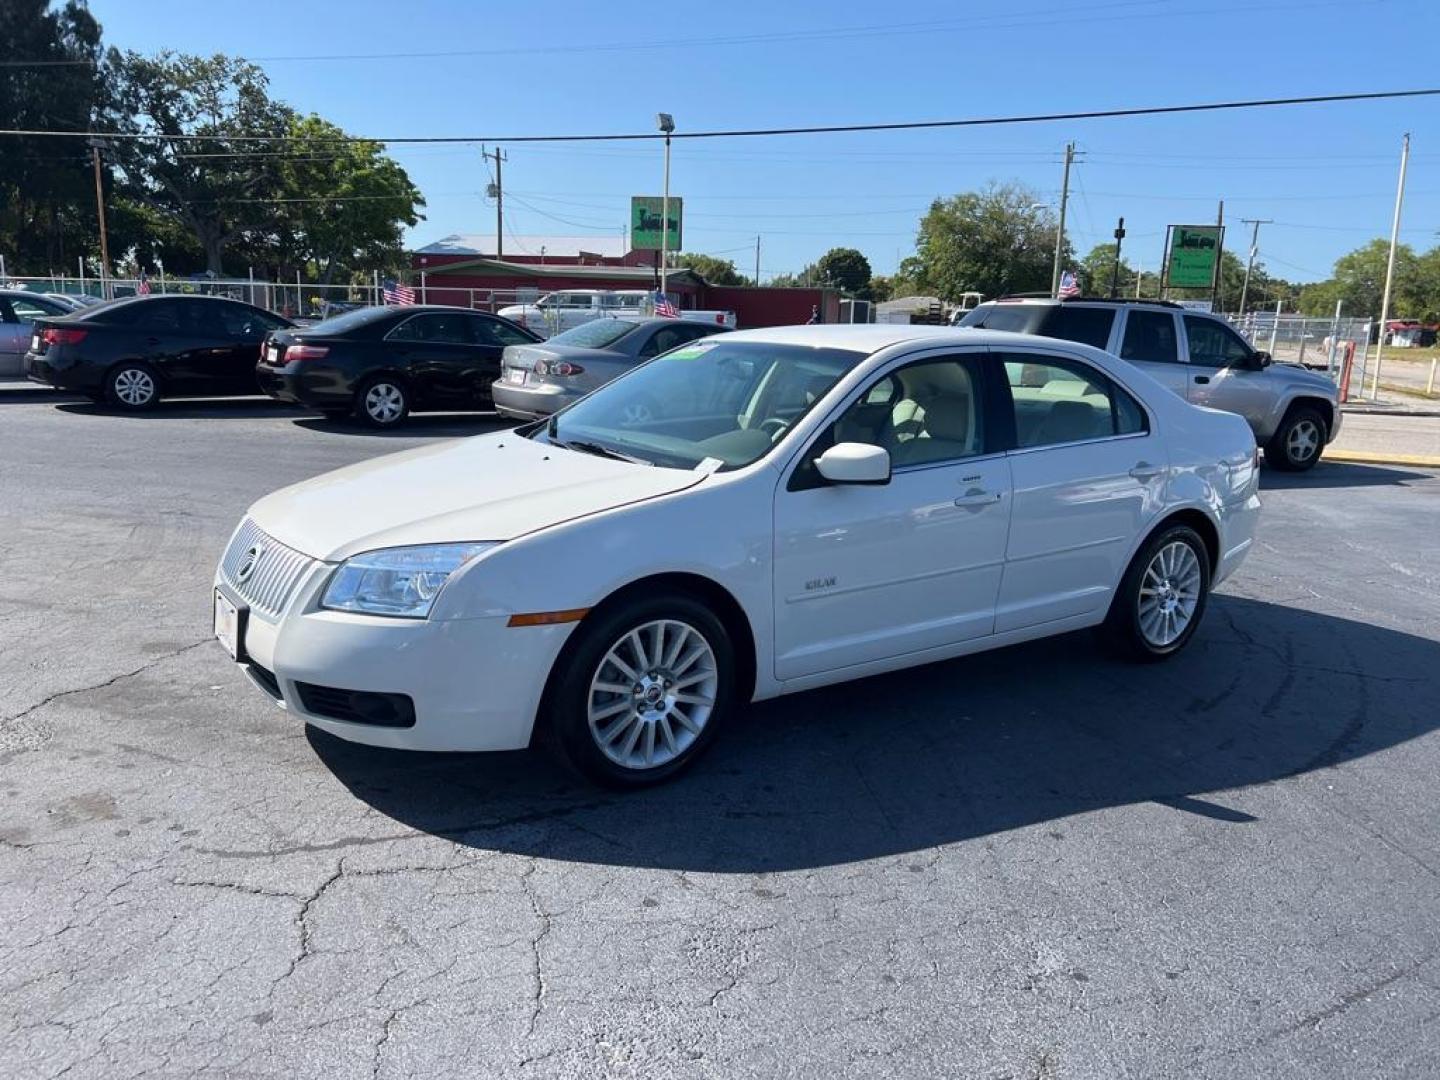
(297, 299)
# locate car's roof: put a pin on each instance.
(871, 337)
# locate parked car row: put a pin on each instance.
(379, 364)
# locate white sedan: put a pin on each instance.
(811, 505)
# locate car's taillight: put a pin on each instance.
(306, 352)
(63, 337)
(562, 369)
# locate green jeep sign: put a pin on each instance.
(1193, 251)
(646, 223)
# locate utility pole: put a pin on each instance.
(1115, 272)
(1250, 262)
(497, 192)
(757, 262)
(95, 145)
(1390, 266)
(1060, 229)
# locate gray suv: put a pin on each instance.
(1293, 412)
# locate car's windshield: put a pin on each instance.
(594, 335)
(729, 401)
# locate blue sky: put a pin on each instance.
(1325, 174)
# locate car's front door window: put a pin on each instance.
(1213, 344)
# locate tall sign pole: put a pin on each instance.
(1219, 257)
(1060, 229)
(1390, 266)
(497, 192)
(757, 262)
(666, 123)
(1250, 262)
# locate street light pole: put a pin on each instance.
(1390, 267)
(666, 123)
(1115, 272)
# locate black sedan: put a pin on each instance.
(381, 363)
(131, 353)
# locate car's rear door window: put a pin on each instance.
(439, 329)
(1150, 338)
(490, 331)
(1087, 325)
(1058, 400)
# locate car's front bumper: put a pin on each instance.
(475, 683)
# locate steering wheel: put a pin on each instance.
(776, 427)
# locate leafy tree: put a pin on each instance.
(373, 201)
(1096, 271)
(713, 270)
(218, 184)
(843, 268)
(47, 194)
(996, 241)
(881, 288)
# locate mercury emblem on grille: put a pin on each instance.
(248, 562)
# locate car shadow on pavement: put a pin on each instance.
(224, 408)
(422, 425)
(1339, 474)
(967, 748)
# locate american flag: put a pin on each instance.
(1068, 285)
(395, 293)
(665, 307)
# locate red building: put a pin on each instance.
(465, 270)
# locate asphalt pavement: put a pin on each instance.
(1037, 863)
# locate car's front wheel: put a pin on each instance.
(1297, 444)
(132, 386)
(643, 692)
(1162, 596)
(382, 401)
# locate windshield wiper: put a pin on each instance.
(604, 451)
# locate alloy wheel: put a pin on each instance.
(652, 694)
(1303, 441)
(1169, 594)
(384, 402)
(134, 387)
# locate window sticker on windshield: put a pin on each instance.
(690, 352)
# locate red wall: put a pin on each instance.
(772, 307)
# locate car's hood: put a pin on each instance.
(525, 356)
(1296, 375)
(490, 487)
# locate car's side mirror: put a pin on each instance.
(854, 463)
(1259, 360)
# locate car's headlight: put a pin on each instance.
(401, 582)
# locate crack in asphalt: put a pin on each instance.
(537, 972)
(52, 698)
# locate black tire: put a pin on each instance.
(132, 386)
(387, 410)
(565, 714)
(1130, 634)
(1299, 441)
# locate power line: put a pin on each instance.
(734, 133)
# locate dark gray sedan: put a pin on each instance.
(537, 380)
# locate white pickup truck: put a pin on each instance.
(563, 310)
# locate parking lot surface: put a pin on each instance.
(1038, 863)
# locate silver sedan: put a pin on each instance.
(537, 380)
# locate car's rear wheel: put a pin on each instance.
(643, 692)
(132, 386)
(382, 401)
(1162, 596)
(1297, 443)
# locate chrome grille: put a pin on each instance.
(276, 572)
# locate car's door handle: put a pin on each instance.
(1202, 378)
(978, 497)
(1145, 471)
